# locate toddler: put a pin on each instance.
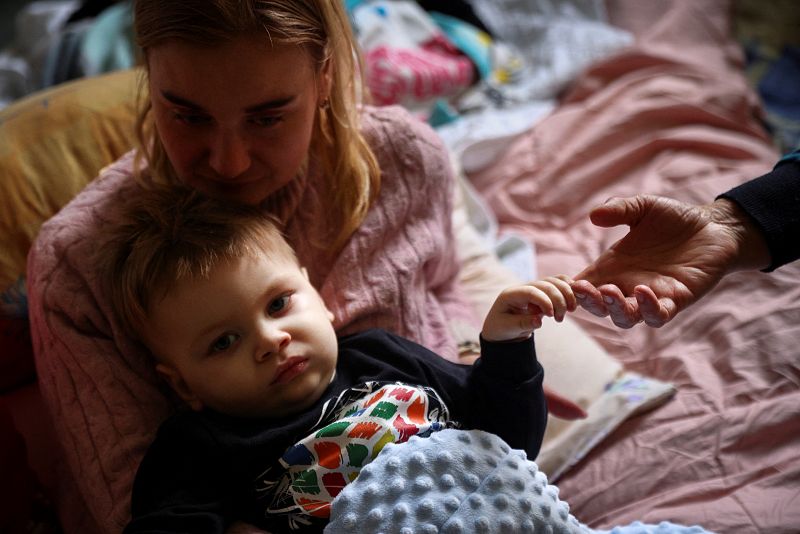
(280, 414)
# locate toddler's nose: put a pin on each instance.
(272, 343)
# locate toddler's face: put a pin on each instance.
(252, 340)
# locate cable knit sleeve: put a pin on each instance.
(399, 271)
(99, 387)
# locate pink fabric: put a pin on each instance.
(673, 115)
(396, 271)
(434, 69)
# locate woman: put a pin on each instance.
(254, 102)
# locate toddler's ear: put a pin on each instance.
(176, 381)
(329, 312)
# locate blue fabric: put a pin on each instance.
(665, 527)
(14, 300)
(108, 43)
(442, 113)
(776, 75)
(779, 86)
(474, 43)
(791, 156)
(460, 481)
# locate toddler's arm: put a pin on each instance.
(519, 310)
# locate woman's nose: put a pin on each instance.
(272, 342)
(229, 155)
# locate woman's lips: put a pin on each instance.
(289, 369)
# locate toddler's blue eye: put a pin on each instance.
(224, 343)
(277, 305)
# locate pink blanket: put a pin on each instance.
(673, 115)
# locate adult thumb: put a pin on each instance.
(616, 211)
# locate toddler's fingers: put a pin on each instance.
(554, 295)
(564, 284)
(527, 322)
(509, 326)
(527, 299)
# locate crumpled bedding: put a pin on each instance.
(671, 115)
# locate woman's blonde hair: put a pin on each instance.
(322, 28)
(168, 234)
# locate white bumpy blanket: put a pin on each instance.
(460, 481)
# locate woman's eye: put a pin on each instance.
(224, 343)
(278, 305)
(265, 121)
(192, 119)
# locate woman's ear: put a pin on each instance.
(324, 83)
(176, 381)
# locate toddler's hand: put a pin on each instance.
(519, 310)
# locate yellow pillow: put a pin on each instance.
(52, 143)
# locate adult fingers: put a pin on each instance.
(616, 211)
(624, 311)
(589, 298)
(654, 311)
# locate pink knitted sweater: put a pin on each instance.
(398, 271)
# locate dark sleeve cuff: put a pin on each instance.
(509, 360)
(773, 203)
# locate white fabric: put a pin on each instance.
(398, 24)
(557, 38)
(541, 46)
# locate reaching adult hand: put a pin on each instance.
(673, 254)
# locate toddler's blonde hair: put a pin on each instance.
(168, 234)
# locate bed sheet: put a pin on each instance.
(673, 115)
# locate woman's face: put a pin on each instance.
(235, 119)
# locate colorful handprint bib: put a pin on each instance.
(351, 431)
